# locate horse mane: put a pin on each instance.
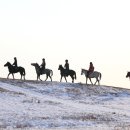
(61, 65)
(9, 63)
(37, 64)
(85, 69)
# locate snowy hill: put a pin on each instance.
(54, 105)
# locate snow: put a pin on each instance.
(54, 105)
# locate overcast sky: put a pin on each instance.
(81, 31)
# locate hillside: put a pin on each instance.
(54, 105)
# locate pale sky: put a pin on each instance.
(81, 31)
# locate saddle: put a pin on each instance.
(89, 73)
(15, 68)
(42, 71)
(67, 73)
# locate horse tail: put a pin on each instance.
(51, 72)
(100, 75)
(75, 75)
(24, 73)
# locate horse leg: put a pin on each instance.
(90, 81)
(24, 77)
(50, 78)
(46, 77)
(8, 75)
(61, 79)
(21, 76)
(99, 78)
(72, 79)
(86, 80)
(65, 78)
(96, 81)
(13, 75)
(39, 78)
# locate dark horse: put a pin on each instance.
(64, 73)
(13, 70)
(39, 72)
(128, 75)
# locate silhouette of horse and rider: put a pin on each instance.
(128, 75)
(13, 68)
(42, 70)
(65, 72)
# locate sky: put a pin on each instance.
(81, 31)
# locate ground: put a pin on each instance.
(62, 106)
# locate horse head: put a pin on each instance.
(128, 74)
(83, 71)
(60, 67)
(35, 64)
(7, 64)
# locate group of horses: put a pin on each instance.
(49, 73)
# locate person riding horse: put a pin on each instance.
(43, 65)
(91, 69)
(66, 66)
(15, 63)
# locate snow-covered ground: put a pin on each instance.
(59, 106)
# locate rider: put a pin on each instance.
(43, 65)
(15, 62)
(91, 68)
(66, 66)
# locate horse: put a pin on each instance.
(128, 75)
(39, 71)
(12, 69)
(95, 74)
(64, 73)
